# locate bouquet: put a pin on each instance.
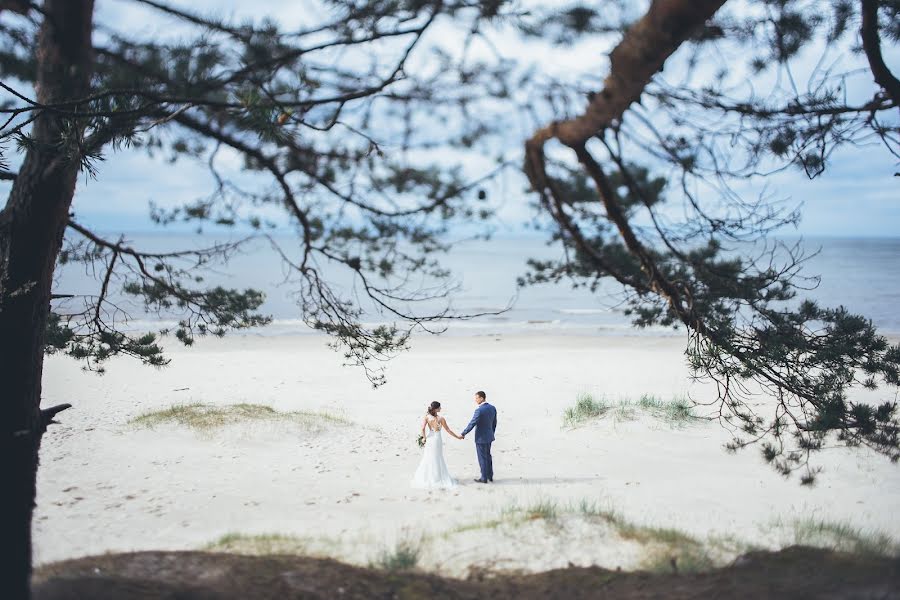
(421, 441)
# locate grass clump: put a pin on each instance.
(541, 509)
(205, 417)
(665, 549)
(585, 409)
(404, 556)
(258, 545)
(627, 530)
(676, 411)
(591, 508)
(843, 537)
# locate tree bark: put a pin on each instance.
(31, 232)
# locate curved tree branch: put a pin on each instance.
(872, 46)
(633, 63)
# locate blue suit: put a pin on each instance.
(484, 421)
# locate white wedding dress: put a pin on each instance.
(433, 472)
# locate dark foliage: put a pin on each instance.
(328, 122)
(689, 251)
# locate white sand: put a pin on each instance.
(105, 485)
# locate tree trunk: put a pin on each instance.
(31, 232)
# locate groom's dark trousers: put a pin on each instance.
(485, 461)
(484, 422)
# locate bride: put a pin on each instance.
(432, 471)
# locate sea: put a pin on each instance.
(861, 274)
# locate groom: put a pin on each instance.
(485, 423)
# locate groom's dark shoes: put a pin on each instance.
(481, 481)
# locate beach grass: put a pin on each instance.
(259, 545)
(631, 531)
(586, 408)
(512, 515)
(665, 549)
(659, 549)
(843, 537)
(206, 417)
(541, 509)
(591, 508)
(677, 411)
(404, 555)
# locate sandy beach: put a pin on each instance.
(340, 486)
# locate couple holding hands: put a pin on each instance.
(432, 471)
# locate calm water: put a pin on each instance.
(861, 274)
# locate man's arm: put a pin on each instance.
(495, 419)
(472, 423)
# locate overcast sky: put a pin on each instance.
(856, 197)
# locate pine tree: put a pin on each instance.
(305, 110)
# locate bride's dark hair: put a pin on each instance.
(432, 409)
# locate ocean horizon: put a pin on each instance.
(861, 274)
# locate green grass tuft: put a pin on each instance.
(542, 509)
(676, 411)
(665, 549)
(843, 537)
(205, 417)
(591, 508)
(258, 545)
(585, 409)
(404, 556)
